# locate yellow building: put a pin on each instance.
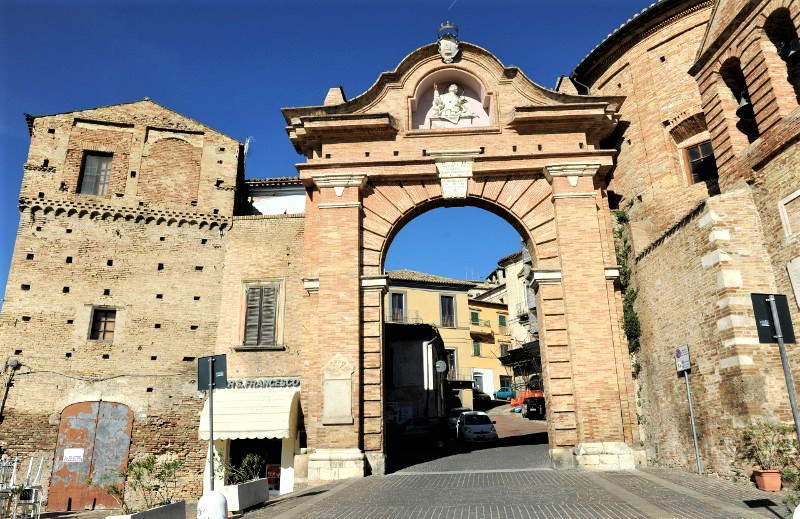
(473, 343)
(489, 335)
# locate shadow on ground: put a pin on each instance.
(408, 455)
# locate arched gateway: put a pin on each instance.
(454, 129)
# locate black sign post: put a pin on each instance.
(211, 373)
(774, 323)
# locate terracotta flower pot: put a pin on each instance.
(768, 480)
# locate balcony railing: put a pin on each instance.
(402, 319)
(480, 322)
(459, 374)
(502, 330)
(522, 310)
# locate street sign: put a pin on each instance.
(220, 372)
(441, 366)
(682, 362)
(765, 323)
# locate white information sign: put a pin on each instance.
(73, 456)
(682, 362)
(441, 366)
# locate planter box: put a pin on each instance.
(246, 495)
(175, 510)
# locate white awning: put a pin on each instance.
(252, 413)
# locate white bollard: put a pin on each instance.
(212, 506)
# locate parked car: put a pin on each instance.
(476, 426)
(504, 393)
(533, 408)
(452, 419)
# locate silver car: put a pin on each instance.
(452, 419)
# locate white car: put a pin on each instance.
(476, 426)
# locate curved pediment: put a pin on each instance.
(427, 92)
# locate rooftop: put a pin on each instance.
(423, 277)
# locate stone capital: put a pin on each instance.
(572, 171)
(544, 277)
(339, 181)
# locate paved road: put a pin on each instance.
(513, 481)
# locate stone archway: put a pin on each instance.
(369, 171)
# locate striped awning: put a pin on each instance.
(252, 413)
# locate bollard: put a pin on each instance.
(212, 506)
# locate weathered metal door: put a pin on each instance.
(91, 453)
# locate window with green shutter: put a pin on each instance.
(476, 349)
(474, 317)
(502, 320)
(259, 328)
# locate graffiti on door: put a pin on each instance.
(91, 454)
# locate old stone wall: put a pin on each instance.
(153, 253)
(694, 288)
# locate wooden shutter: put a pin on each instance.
(269, 300)
(251, 321)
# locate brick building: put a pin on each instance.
(141, 248)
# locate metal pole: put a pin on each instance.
(211, 419)
(691, 416)
(787, 373)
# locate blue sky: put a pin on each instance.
(233, 64)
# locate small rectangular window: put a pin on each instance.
(474, 318)
(260, 316)
(448, 311)
(398, 307)
(476, 349)
(103, 321)
(702, 164)
(95, 174)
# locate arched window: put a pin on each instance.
(782, 33)
(731, 72)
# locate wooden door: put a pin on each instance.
(91, 454)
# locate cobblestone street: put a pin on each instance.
(513, 480)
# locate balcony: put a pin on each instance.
(480, 327)
(460, 378)
(521, 311)
(402, 319)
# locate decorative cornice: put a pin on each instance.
(545, 277)
(374, 282)
(339, 181)
(338, 205)
(311, 285)
(135, 214)
(586, 194)
(570, 170)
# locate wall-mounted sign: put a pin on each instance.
(73, 455)
(264, 382)
(682, 362)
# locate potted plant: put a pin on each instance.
(152, 484)
(769, 446)
(245, 486)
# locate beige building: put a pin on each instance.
(471, 330)
(489, 332)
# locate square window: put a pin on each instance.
(95, 173)
(29, 256)
(103, 321)
(69, 259)
(106, 291)
(702, 164)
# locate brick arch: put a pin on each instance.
(577, 410)
(523, 201)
